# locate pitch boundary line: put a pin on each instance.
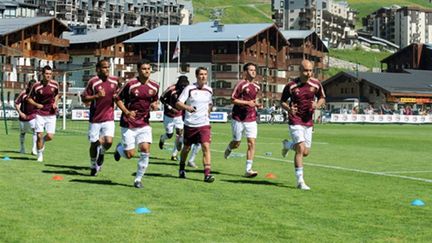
(345, 169)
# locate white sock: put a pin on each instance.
(120, 150)
(249, 165)
(34, 141)
(142, 165)
(174, 151)
(299, 174)
(22, 137)
(195, 149)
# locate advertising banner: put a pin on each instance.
(355, 118)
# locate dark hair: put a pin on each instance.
(142, 62)
(246, 66)
(197, 71)
(47, 67)
(30, 85)
(99, 63)
(182, 82)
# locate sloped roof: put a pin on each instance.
(301, 35)
(413, 81)
(99, 35)
(11, 25)
(202, 32)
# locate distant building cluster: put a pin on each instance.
(99, 14)
(334, 22)
(400, 25)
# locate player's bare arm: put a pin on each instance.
(20, 113)
(122, 107)
(37, 105)
(182, 106)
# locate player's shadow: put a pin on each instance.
(158, 175)
(164, 163)
(73, 167)
(21, 158)
(65, 172)
(213, 172)
(9, 151)
(256, 182)
(136, 156)
(100, 182)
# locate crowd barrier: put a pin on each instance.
(83, 115)
(360, 118)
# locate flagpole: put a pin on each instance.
(179, 51)
(168, 43)
(158, 59)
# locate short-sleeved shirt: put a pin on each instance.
(200, 99)
(45, 95)
(25, 107)
(302, 95)
(245, 90)
(102, 109)
(169, 98)
(138, 97)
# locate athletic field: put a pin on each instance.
(363, 180)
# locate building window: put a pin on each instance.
(352, 90)
(342, 91)
(184, 68)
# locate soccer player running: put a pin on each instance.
(196, 100)
(44, 96)
(135, 100)
(300, 98)
(100, 91)
(244, 116)
(173, 118)
(27, 115)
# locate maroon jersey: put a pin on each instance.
(245, 90)
(45, 95)
(102, 109)
(302, 95)
(28, 109)
(138, 97)
(169, 99)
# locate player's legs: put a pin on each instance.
(237, 131)
(169, 130)
(32, 124)
(251, 132)
(301, 136)
(190, 137)
(105, 140)
(205, 140)
(22, 125)
(143, 139)
(195, 149)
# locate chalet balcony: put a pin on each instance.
(119, 66)
(9, 51)
(13, 85)
(131, 59)
(104, 53)
(225, 75)
(7, 67)
(25, 69)
(50, 40)
(35, 54)
(296, 61)
(62, 57)
(222, 92)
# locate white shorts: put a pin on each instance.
(134, 136)
(250, 129)
(47, 123)
(28, 126)
(102, 129)
(173, 122)
(300, 133)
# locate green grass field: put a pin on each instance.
(363, 179)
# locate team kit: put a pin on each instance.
(187, 106)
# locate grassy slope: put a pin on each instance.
(343, 206)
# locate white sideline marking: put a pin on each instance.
(345, 169)
(406, 172)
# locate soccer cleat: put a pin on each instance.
(93, 172)
(117, 154)
(138, 184)
(192, 164)
(182, 174)
(227, 153)
(251, 174)
(209, 178)
(174, 158)
(40, 157)
(285, 147)
(303, 186)
(161, 142)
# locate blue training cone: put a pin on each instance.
(142, 210)
(417, 202)
(6, 158)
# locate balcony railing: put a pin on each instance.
(9, 51)
(13, 85)
(132, 59)
(50, 40)
(60, 57)
(225, 75)
(7, 67)
(25, 69)
(35, 54)
(104, 52)
(222, 92)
